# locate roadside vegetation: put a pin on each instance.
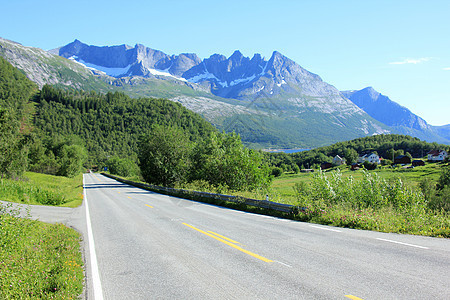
(43, 189)
(372, 203)
(60, 133)
(38, 260)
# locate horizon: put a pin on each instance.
(398, 48)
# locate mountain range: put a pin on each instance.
(271, 103)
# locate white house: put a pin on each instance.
(371, 157)
(437, 155)
(337, 160)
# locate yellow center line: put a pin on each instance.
(149, 205)
(223, 237)
(128, 197)
(353, 297)
(229, 244)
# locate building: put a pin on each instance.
(437, 155)
(338, 161)
(371, 157)
(418, 162)
(326, 165)
(355, 167)
(402, 159)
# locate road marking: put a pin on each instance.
(223, 237)
(96, 283)
(406, 244)
(149, 205)
(283, 264)
(230, 244)
(128, 197)
(353, 297)
(324, 228)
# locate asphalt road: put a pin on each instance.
(152, 246)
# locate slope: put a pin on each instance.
(400, 118)
(271, 103)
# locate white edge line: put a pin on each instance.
(281, 263)
(406, 244)
(324, 228)
(97, 285)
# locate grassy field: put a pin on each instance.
(43, 189)
(39, 260)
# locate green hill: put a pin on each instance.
(108, 124)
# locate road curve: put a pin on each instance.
(150, 246)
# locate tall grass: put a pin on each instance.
(371, 203)
(29, 193)
(43, 189)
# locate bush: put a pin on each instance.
(222, 160)
(277, 172)
(164, 156)
(122, 167)
(370, 166)
(71, 160)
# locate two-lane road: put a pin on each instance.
(151, 246)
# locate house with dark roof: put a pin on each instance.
(417, 162)
(437, 155)
(402, 159)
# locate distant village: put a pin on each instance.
(371, 160)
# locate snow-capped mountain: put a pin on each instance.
(125, 61)
(272, 103)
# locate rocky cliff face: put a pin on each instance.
(43, 67)
(124, 60)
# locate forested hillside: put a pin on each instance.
(384, 144)
(109, 124)
(15, 112)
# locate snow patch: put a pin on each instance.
(164, 73)
(282, 82)
(260, 89)
(206, 76)
(114, 72)
(242, 80)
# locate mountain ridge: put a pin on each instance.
(272, 103)
(400, 118)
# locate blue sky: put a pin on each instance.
(400, 48)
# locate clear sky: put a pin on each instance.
(399, 47)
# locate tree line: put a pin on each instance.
(387, 146)
(63, 132)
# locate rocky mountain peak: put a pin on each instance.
(371, 92)
(383, 109)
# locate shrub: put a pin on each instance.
(277, 172)
(122, 166)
